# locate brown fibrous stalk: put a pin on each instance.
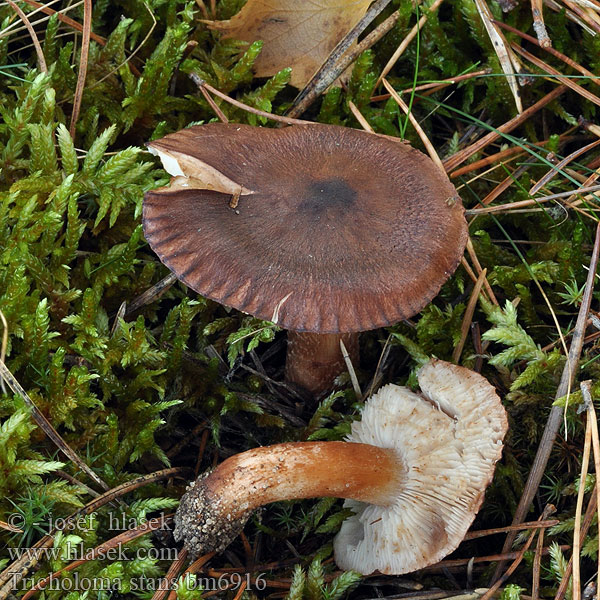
(215, 508)
(314, 360)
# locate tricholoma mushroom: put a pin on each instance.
(414, 470)
(324, 230)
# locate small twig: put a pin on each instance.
(33, 34)
(594, 78)
(330, 69)
(555, 417)
(539, 26)
(83, 64)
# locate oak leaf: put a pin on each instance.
(296, 33)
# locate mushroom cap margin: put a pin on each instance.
(296, 251)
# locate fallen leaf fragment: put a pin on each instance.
(296, 34)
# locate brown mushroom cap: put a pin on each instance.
(336, 230)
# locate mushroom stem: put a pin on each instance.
(215, 508)
(314, 360)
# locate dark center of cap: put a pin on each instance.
(320, 196)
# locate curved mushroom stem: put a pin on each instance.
(314, 360)
(216, 507)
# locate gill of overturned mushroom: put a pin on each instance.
(414, 470)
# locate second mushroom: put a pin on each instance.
(324, 230)
(414, 470)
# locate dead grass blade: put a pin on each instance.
(520, 555)
(472, 535)
(460, 157)
(171, 577)
(33, 34)
(587, 447)
(152, 294)
(15, 572)
(479, 270)
(561, 165)
(586, 17)
(507, 59)
(468, 317)
(100, 551)
(590, 513)
(555, 417)
(592, 425)
(537, 566)
(261, 113)
(552, 71)
(428, 145)
(434, 86)
(541, 200)
(46, 426)
(83, 64)
(570, 15)
(64, 19)
(405, 42)
(3, 347)
(359, 117)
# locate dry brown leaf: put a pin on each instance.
(297, 34)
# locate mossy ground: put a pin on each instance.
(180, 380)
